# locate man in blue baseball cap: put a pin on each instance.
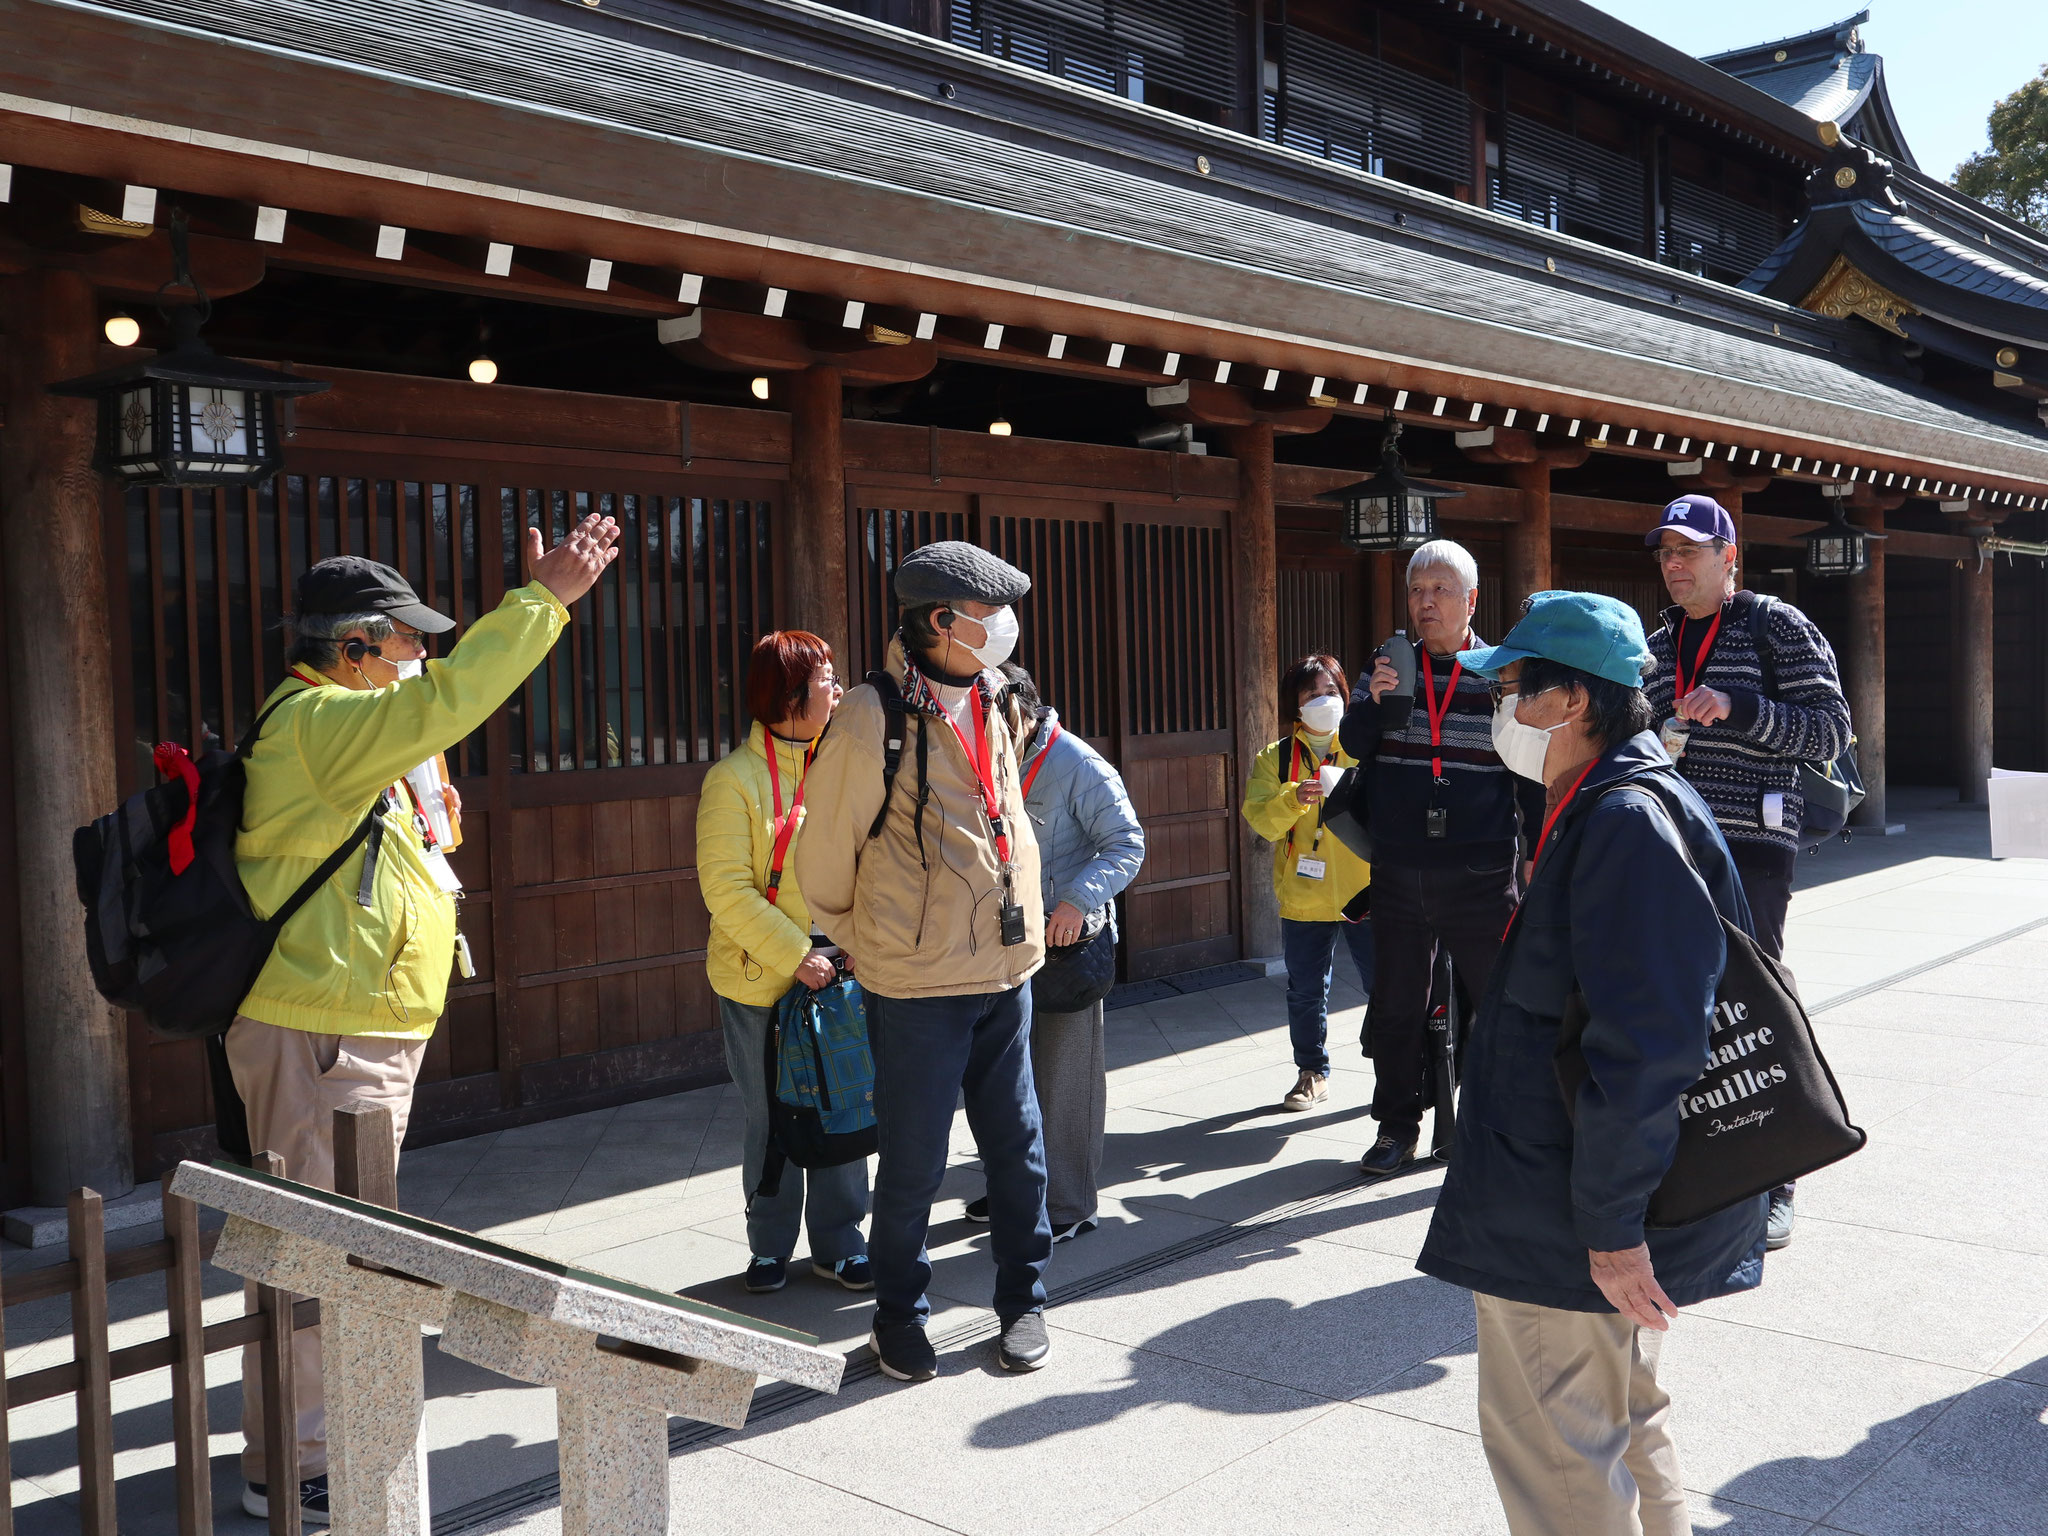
(1747, 689)
(1542, 1210)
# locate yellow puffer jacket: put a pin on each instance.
(1273, 812)
(322, 760)
(756, 945)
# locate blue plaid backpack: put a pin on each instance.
(821, 1108)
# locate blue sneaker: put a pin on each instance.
(852, 1273)
(765, 1274)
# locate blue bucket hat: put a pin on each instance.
(1587, 630)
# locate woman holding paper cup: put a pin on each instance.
(749, 813)
(1320, 883)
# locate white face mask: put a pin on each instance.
(1002, 638)
(1321, 716)
(409, 668)
(1524, 748)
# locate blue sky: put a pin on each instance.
(1946, 61)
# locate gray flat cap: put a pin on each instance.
(956, 572)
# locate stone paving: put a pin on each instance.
(1246, 1341)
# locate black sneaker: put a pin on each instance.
(1387, 1156)
(765, 1274)
(903, 1351)
(977, 1210)
(1025, 1345)
(312, 1500)
(852, 1273)
(1073, 1229)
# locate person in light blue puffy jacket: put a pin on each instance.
(1089, 848)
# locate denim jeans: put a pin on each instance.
(1310, 950)
(834, 1199)
(929, 1053)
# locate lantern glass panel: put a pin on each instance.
(217, 428)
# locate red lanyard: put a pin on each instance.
(1543, 843)
(1699, 658)
(1031, 778)
(1436, 714)
(1294, 777)
(785, 825)
(984, 771)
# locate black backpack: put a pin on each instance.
(1832, 789)
(168, 928)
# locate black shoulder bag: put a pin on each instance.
(1765, 1112)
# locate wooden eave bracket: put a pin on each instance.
(726, 342)
(1222, 405)
(138, 269)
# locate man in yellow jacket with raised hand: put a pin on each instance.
(342, 1011)
(1317, 878)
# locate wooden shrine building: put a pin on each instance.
(1116, 287)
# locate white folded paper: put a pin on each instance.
(2019, 815)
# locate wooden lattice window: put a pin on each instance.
(1177, 659)
(654, 668)
(1067, 621)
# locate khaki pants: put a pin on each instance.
(292, 1083)
(1575, 1425)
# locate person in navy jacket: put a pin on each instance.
(1542, 1210)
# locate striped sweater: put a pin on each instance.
(1488, 808)
(1792, 713)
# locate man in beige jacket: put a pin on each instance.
(917, 859)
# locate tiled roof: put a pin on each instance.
(1306, 273)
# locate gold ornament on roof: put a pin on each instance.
(1844, 291)
(1845, 178)
(2008, 357)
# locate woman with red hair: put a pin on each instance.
(748, 815)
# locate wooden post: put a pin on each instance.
(1731, 500)
(60, 680)
(815, 548)
(6, 1447)
(1528, 540)
(366, 1154)
(185, 1294)
(280, 1391)
(1388, 612)
(1973, 680)
(87, 1223)
(1254, 567)
(1863, 664)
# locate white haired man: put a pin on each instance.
(1447, 821)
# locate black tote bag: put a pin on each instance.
(1765, 1112)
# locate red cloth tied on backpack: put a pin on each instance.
(171, 761)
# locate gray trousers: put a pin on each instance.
(837, 1197)
(1073, 1095)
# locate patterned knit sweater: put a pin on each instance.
(1793, 712)
(1489, 810)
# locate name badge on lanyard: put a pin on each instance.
(1311, 869)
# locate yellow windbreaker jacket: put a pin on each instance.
(322, 760)
(1273, 812)
(756, 945)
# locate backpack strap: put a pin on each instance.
(371, 827)
(1761, 607)
(897, 715)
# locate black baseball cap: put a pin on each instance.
(351, 584)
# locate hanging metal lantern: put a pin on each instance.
(1390, 512)
(187, 416)
(1838, 547)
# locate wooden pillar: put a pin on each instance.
(1731, 500)
(1973, 680)
(1257, 647)
(1863, 666)
(1388, 612)
(1528, 541)
(60, 680)
(816, 549)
